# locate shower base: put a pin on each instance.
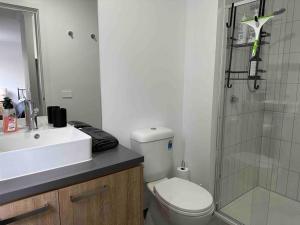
(262, 207)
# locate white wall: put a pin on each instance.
(12, 71)
(199, 118)
(142, 54)
(70, 64)
(158, 68)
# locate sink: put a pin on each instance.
(25, 153)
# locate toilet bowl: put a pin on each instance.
(173, 201)
(179, 202)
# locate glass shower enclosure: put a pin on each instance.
(258, 163)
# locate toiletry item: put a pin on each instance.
(59, 117)
(50, 110)
(242, 32)
(9, 116)
(253, 68)
(1, 111)
(183, 172)
(252, 35)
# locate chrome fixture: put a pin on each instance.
(31, 115)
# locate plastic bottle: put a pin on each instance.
(9, 116)
(242, 32)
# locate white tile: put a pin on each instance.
(274, 151)
(297, 10)
(296, 129)
(297, 110)
(287, 127)
(295, 43)
(295, 158)
(285, 151)
(292, 185)
(275, 38)
(293, 68)
(286, 37)
(290, 98)
(274, 178)
(277, 125)
(282, 181)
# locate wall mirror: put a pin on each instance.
(49, 53)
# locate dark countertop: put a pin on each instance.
(102, 164)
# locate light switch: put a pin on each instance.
(67, 94)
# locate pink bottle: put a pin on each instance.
(9, 116)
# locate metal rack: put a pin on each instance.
(231, 24)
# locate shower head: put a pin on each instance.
(280, 11)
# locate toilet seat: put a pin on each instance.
(184, 197)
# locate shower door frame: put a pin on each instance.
(221, 121)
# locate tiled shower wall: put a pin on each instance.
(242, 135)
(261, 136)
(280, 160)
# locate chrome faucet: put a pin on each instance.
(31, 115)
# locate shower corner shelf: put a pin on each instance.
(250, 44)
(231, 24)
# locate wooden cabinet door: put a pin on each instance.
(111, 200)
(38, 210)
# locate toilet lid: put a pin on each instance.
(184, 195)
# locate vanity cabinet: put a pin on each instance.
(112, 200)
(38, 210)
(115, 199)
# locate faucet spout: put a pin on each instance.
(30, 115)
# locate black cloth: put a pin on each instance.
(79, 124)
(101, 140)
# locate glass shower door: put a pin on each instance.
(240, 197)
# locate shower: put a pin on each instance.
(258, 163)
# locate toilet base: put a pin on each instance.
(159, 215)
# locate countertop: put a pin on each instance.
(102, 164)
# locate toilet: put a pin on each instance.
(173, 201)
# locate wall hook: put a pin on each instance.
(229, 24)
(256, 86)
(93, 36)
(71, 34)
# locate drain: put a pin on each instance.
(37, 136)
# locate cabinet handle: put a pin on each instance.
(35, 212)
(88, 194)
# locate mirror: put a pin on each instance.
(49, 54)
(20, 73)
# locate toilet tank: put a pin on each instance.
(156, 145)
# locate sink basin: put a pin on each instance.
(25, 153)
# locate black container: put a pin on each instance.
(50, 113)
(59, 117)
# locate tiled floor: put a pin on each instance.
(261, 207)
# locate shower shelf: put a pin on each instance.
(257, 78)
(244, 71)
(231, 24)
(249, 44)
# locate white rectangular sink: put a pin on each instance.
(25, 153)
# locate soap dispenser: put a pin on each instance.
(9, 116)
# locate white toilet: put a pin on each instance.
(174, 201)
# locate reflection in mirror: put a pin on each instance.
(40, 61)
(20, 74)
